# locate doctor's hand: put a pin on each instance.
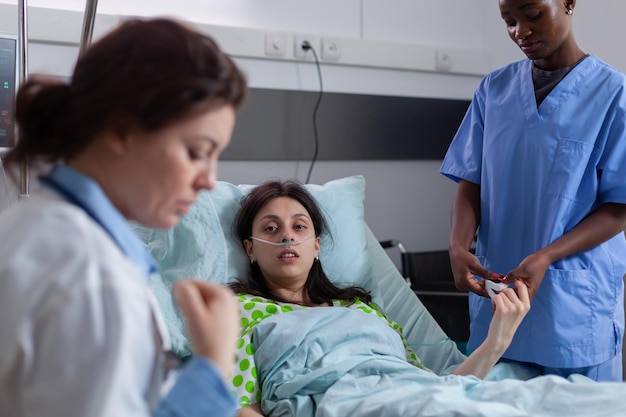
(212, 317)
(464, 268)
(531, 272)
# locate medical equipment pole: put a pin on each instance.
(88, 23)
(22, 45)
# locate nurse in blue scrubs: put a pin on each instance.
(540, 161)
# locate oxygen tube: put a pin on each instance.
(285, 243)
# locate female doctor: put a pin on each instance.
(134, 136)
(540, 159)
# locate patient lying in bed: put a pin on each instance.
(301, 355)
(331, 361)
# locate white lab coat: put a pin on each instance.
(78, 334)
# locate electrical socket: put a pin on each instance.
(443, 60)
(300, 53)
(331, 49)
(275, 44)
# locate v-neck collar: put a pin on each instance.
(559, 94)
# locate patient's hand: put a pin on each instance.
(212, 317)
(509, 309)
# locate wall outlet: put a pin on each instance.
(331, 49)
(443, 60)
(298, 52)
(275, 44)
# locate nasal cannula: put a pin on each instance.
(285, 243)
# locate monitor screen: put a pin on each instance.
(8, 83)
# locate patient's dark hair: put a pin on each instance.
(319, 288)
(145, 74)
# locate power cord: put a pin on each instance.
(306, 46)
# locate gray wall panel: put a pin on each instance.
(278, 125)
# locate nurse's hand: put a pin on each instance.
(531, 272)
(464, 268)
(212, 316)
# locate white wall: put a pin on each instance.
(406, 200)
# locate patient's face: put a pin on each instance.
(284, 219)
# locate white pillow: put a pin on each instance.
(203, 245)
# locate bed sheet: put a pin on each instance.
(334, 362)
(401, 305)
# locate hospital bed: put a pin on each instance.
(203, 246)
(429, 274)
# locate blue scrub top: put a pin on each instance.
(541, 171)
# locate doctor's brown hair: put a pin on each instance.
(145, 74)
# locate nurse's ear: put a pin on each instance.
(570, 4)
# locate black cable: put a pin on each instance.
(307, 46)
